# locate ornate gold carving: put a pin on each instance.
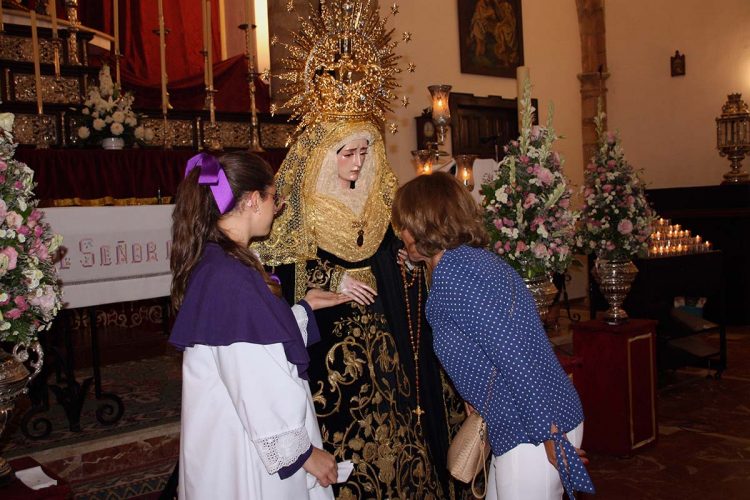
(275, 135)
(182, 132)
(18, 48)
(234, 134)
(66, 90)
(35, 129)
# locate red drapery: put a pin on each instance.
(140, 68)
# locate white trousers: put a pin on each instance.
(524, 473)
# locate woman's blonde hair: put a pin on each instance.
(439, 213)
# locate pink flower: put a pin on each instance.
(3, 166)
(607, 188)
(564, 203)
(24, 230)
(524, 159)
(12, 254)
(13, 314)
(540, 251)
(3, 209)
(535, 132)
(14, 219)
(629, 200)
(499, 247)
(18, 185)
(625, 226)
(508, 223)
(38, 231)
(530, 200)
(498, 223)
(545, 176)
(521, 247)
(35, 215)
(611, 138)
(20, 302)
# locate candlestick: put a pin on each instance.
(2, 25)
(254, 140)
(37, 67)
(52, 8)
(163, 59)
(116, 33)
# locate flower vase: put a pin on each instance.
(543, 291)
(14, 378)
(614, 278)
(113, 143)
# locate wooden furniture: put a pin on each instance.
(721, 215)
(483, 125)
(617, 384)
(659, 281)
(16, 490)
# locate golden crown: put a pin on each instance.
(341, 64)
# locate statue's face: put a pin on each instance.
(350, 158)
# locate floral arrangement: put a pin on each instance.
(527, 201)
(29, 295)
(616, 219)
(107, 112)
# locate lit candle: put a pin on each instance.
(37, 67)
(209, 45)
(52, 7)
(708, 245)
(698, 239)
(116, 32)
(163, 60)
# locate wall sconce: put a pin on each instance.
(441, 113)
(465, 170)
(425, 160)
(733, 137)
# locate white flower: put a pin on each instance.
(131, 121)
(118, 116)
(6, 121)
(5, 325)
(86, 111)
(501, 196)
(149, 134)
(21, 237)
(139, 133)
(84, 132)
(55, 243)
(108, 119)
(99, 124)
(116, 128)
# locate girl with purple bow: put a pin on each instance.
(248, 423)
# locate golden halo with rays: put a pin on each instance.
(341, 64)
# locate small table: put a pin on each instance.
(16, 490)
(617, 385)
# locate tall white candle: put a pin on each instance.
(163, 60)
(37, 67)
(209, 45)
(204, 18)
(116, 33)
(52, 7)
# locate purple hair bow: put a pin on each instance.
(213, 175)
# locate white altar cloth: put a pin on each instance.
(113, 254)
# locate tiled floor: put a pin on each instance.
(703, 449)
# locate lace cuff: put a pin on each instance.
(300, 314)
(282, 449)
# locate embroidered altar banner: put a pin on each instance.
(113, 254)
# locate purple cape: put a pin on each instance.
(227, 302)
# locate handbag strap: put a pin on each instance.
(483, 436)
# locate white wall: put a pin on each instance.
(668, 123)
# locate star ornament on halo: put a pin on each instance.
(394, 8)
(393, 128)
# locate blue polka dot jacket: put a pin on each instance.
(491, 342)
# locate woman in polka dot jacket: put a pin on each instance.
(491, 342)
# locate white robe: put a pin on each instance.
(246, 414)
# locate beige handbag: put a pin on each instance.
(470, 448)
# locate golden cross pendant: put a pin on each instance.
(419, 414)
